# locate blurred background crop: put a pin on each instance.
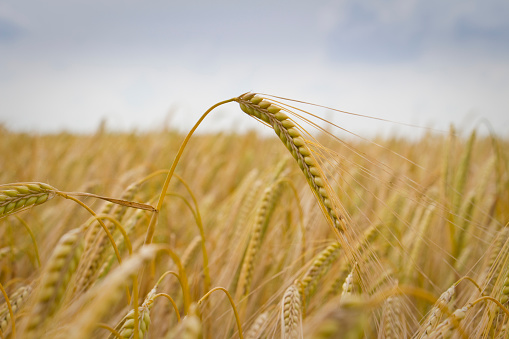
(68, 65)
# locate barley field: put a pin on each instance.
(312, 232)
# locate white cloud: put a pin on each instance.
(133, 63)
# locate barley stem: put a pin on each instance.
(170, 299)
(153, 220)
(108, 233)
(32, 236)
(239, 327)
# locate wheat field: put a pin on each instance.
(311, 233)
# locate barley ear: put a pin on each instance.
(291, 314)
(291, 137)
(258, 326)
(437, 311)
(321, 264)
(17, 301)
(55, 280)
(105, 294)
(392, 317)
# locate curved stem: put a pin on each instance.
(168, 273)
(108, 233)
(153, 220)
(197, 218)
(121, 202)
(171, 301)
(151, 175)
(231, 302)
(487, 297)
(206, 273)
(106, 327)
(36, 249)
(182, 273)
(403, 289)
(471, 280)
(119, 227)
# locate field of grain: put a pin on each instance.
(293, 236)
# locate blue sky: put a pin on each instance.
(69, 64)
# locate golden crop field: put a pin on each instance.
(305, 234)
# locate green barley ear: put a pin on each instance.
(292, 138)
(126, 326)
(17, 197)
(321, 264)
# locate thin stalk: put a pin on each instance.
(153, 220)
(487, 297)
(119, 227)
(197, 218)
(107, 327)
(171, 301)
(231, 302)
(36, 249)
(108, 233)
(182, 274)
(206, 273)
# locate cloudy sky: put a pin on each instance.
(69, 64)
